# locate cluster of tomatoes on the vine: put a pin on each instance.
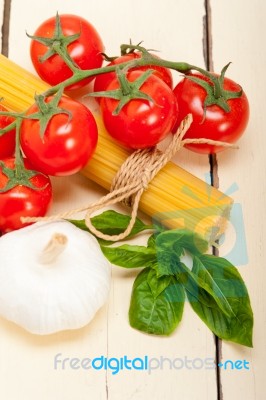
(139, 107)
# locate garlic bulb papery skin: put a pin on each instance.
(46, 294)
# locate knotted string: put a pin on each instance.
(132, 179)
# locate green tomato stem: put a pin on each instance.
(18, 155)
(67, 59)
(82, 74)
(7, 128)
(146, 59)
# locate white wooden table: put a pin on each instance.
(209, 33)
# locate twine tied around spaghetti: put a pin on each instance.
(132, 179)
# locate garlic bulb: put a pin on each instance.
(53, 277)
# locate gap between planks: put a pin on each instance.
(5, 27)
(208, 57)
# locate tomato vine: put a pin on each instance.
(49, 106)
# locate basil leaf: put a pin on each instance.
(151, 241)
(202, 290)
(167, 263)
(157, 304)
(227, 283)
(130, 256)
(113, 223)
(202, 272)
(179, 240)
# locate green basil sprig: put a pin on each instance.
(213, 286)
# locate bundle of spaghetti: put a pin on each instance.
(174, 197)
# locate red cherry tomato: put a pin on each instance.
(217, 125)
(22, 201)
(68, 142)
(103, 80)
(8, 140)
(141, 123)
(85, 51)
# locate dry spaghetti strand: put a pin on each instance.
(131, 180)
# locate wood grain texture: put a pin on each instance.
(242, 42)
(110, 334)
(26, 361)
(5, 18)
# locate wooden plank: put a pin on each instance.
(4, 21)
(172, 28)
(238, 29)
